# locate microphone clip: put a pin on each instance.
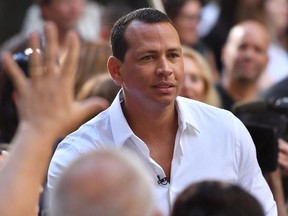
(163, 181)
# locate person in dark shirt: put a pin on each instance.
(245, 58)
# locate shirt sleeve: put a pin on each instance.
(250, 174)
(63, 156)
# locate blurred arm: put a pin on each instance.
(47, 111)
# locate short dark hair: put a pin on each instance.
(215, 198)
(146, 15)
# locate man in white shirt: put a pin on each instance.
(181, 140)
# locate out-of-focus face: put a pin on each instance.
(245, 54)
(65, 13)
(187, 21)
(151, 73)
(277, 13)
(194, 84)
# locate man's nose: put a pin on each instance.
(249, 53)
(164, 67)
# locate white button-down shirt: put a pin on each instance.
(211, 143)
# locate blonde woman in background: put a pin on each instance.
(101, 85)
(198, 82)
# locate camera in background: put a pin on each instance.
(267, 121)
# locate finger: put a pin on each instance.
(85, 110)
(71, 59)
(282, 156)
(283, 145)
(283, 165)
(35, 58)
(14, 71)
(283, 160)
(51, 47)
(280, 140)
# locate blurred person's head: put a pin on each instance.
(245, 54)
(64, 13)
(276, 15)
(185, 15)
(106, 183)
(101, 85)
(112, 13)
(215, 198)
(232, 12)
(198, 79)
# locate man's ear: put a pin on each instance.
(114, 66)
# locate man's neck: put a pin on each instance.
(241, 91)
(157, 129)
(151, 123)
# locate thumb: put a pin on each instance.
(85, 110)
(92, 106)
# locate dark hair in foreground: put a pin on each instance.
(145, 15)
(214, 198)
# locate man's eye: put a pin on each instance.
(147, 58)
(173, 55)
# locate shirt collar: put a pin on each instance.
(121, 130)
(186, 115)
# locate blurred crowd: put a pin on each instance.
(235, 57)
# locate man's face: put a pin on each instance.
(245, 54)
(65, 13)
(152, 70)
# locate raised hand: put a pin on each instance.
(46, 99)
(47, 111)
